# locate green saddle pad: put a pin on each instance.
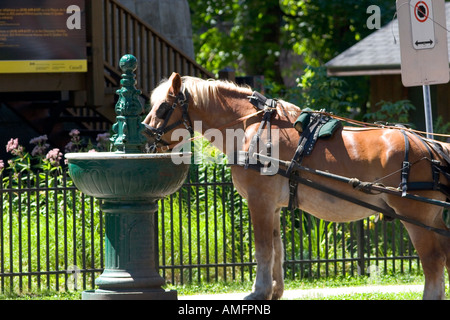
(326, 130)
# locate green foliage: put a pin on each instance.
(392, 112)
(440, 126)
(321, 29)
(205, 222)
(318, 91)
(240, 34)
(251, 35)
(323, 92)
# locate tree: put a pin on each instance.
(242, 34)
(249, 35)
(321, 29)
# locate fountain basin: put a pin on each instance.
(115, 175)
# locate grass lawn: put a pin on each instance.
(230, 287)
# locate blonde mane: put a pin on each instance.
(205, 91)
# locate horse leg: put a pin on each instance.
(433, 259)
(448, 269)
(433, 249)
(445, 244)
(277, 271)
(262, 219)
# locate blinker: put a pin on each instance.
(163, 109)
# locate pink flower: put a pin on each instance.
(12, 145)
(74, 144)
(2, 165)
(54, 156)
(103, 137)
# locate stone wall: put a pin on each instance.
(171, 18)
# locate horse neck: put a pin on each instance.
(220, 113)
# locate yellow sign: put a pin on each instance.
(43, 66)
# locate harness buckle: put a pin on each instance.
(151, 148)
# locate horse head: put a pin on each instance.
(170, 104)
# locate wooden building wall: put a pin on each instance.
(389, 87)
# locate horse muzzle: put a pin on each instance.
(154, 138)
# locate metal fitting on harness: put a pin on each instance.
(405, 173)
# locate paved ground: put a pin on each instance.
(312, 293)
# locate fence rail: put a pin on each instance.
(52, 236)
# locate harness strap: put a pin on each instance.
(436, 168)
(308, 138)
(268, 106)
(405, 166)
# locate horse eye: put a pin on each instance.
(163, 110)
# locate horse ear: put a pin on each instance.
(175, 80)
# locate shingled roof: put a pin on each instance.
(378, 53)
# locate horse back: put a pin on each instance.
(374, 154)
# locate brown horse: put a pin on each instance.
(367, 154)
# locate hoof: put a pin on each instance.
(277, 291)
(257, 296)
(277, 295)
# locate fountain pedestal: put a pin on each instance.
(131, 261)
(129, 183)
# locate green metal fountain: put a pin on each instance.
(129, 182)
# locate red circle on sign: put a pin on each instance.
(418, 11)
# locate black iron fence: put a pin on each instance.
(52, 236)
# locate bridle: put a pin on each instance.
(164, 112)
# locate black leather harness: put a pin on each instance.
(269, 107)
(307, 141)
(436, 168)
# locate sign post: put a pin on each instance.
(428, 111)
(423, 48)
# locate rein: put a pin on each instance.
(168, 147)
(376, 125)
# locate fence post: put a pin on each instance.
(360, 243)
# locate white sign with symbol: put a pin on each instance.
(422, 24)
(423, 42)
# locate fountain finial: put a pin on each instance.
(128, 129)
